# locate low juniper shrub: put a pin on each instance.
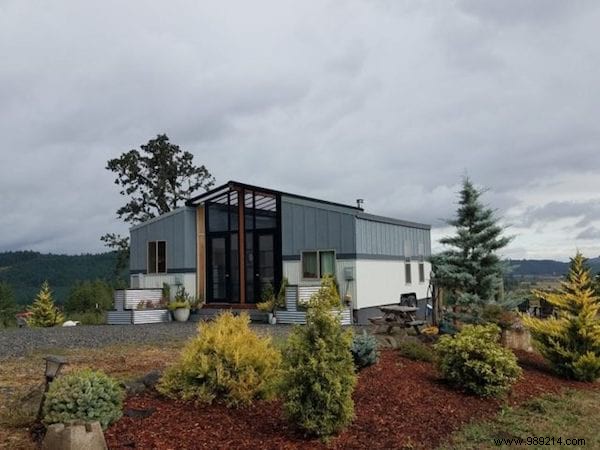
(84, 395)
(364, 350)
(474, 361)
(226, 362)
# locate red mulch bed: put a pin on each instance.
(398, 403)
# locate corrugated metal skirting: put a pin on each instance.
(292, 315)
(126, 302)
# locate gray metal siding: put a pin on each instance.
(378, 239)
(311, 226)
(178, 229)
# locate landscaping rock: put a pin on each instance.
(133, 387)
(150, 379)
(74, 436)
(517, 338)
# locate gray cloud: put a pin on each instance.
(584, 212)
(589, 233)
(388, 101)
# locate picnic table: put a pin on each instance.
(398, 316)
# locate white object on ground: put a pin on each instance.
(71, 323)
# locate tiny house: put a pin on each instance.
(227, 244)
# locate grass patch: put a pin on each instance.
(571, 415)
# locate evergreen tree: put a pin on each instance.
(8, 307)
(44, 312)
(470, 271)
(319, 376)
(156, 179)
(571, 341)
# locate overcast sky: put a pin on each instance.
(390, 101)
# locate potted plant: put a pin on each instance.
(180, 306)
(268, 303)
(271, 302)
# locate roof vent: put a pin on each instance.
(360, 202)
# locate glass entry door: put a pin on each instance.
(260, 263)
(223, 268)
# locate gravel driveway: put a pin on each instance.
(21, 341)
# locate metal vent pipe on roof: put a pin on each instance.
(360, 202)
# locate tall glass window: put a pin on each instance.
(326, 263)
(157, 257)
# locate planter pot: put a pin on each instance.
(272, 319)
(181, 314)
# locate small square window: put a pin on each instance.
(317, 264)
(407, 272)
(309, 265)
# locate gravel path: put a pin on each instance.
(21, 341)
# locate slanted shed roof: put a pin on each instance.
(354, 210)
(231, 185)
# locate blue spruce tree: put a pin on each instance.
(469, 270)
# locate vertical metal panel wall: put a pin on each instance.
(178, 229)
(380, 239)
(307, 225)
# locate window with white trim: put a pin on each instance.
(421, 272)
(318, 263)
(157, 257)
(407, 273)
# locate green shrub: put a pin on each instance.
(319, 374)
(498, 315)
(364, 350)
(182, 299)
(474, 361)
(89, 296)
(416, 351)
(570, 342)
(226, 361)
(328, 295)
(89, 318)
(269, 301)
(8, 307)
(84, 395)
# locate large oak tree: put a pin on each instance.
(156, 179)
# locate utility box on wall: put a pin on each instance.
(349, 273)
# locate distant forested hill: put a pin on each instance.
(25, 271)
(546, 267)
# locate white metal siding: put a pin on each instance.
(292, 270)
(380, 282)
(155, 281)
(130, 298)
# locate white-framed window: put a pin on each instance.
(407, 272)
(421, 272)
(317, 263)
(157, 257)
